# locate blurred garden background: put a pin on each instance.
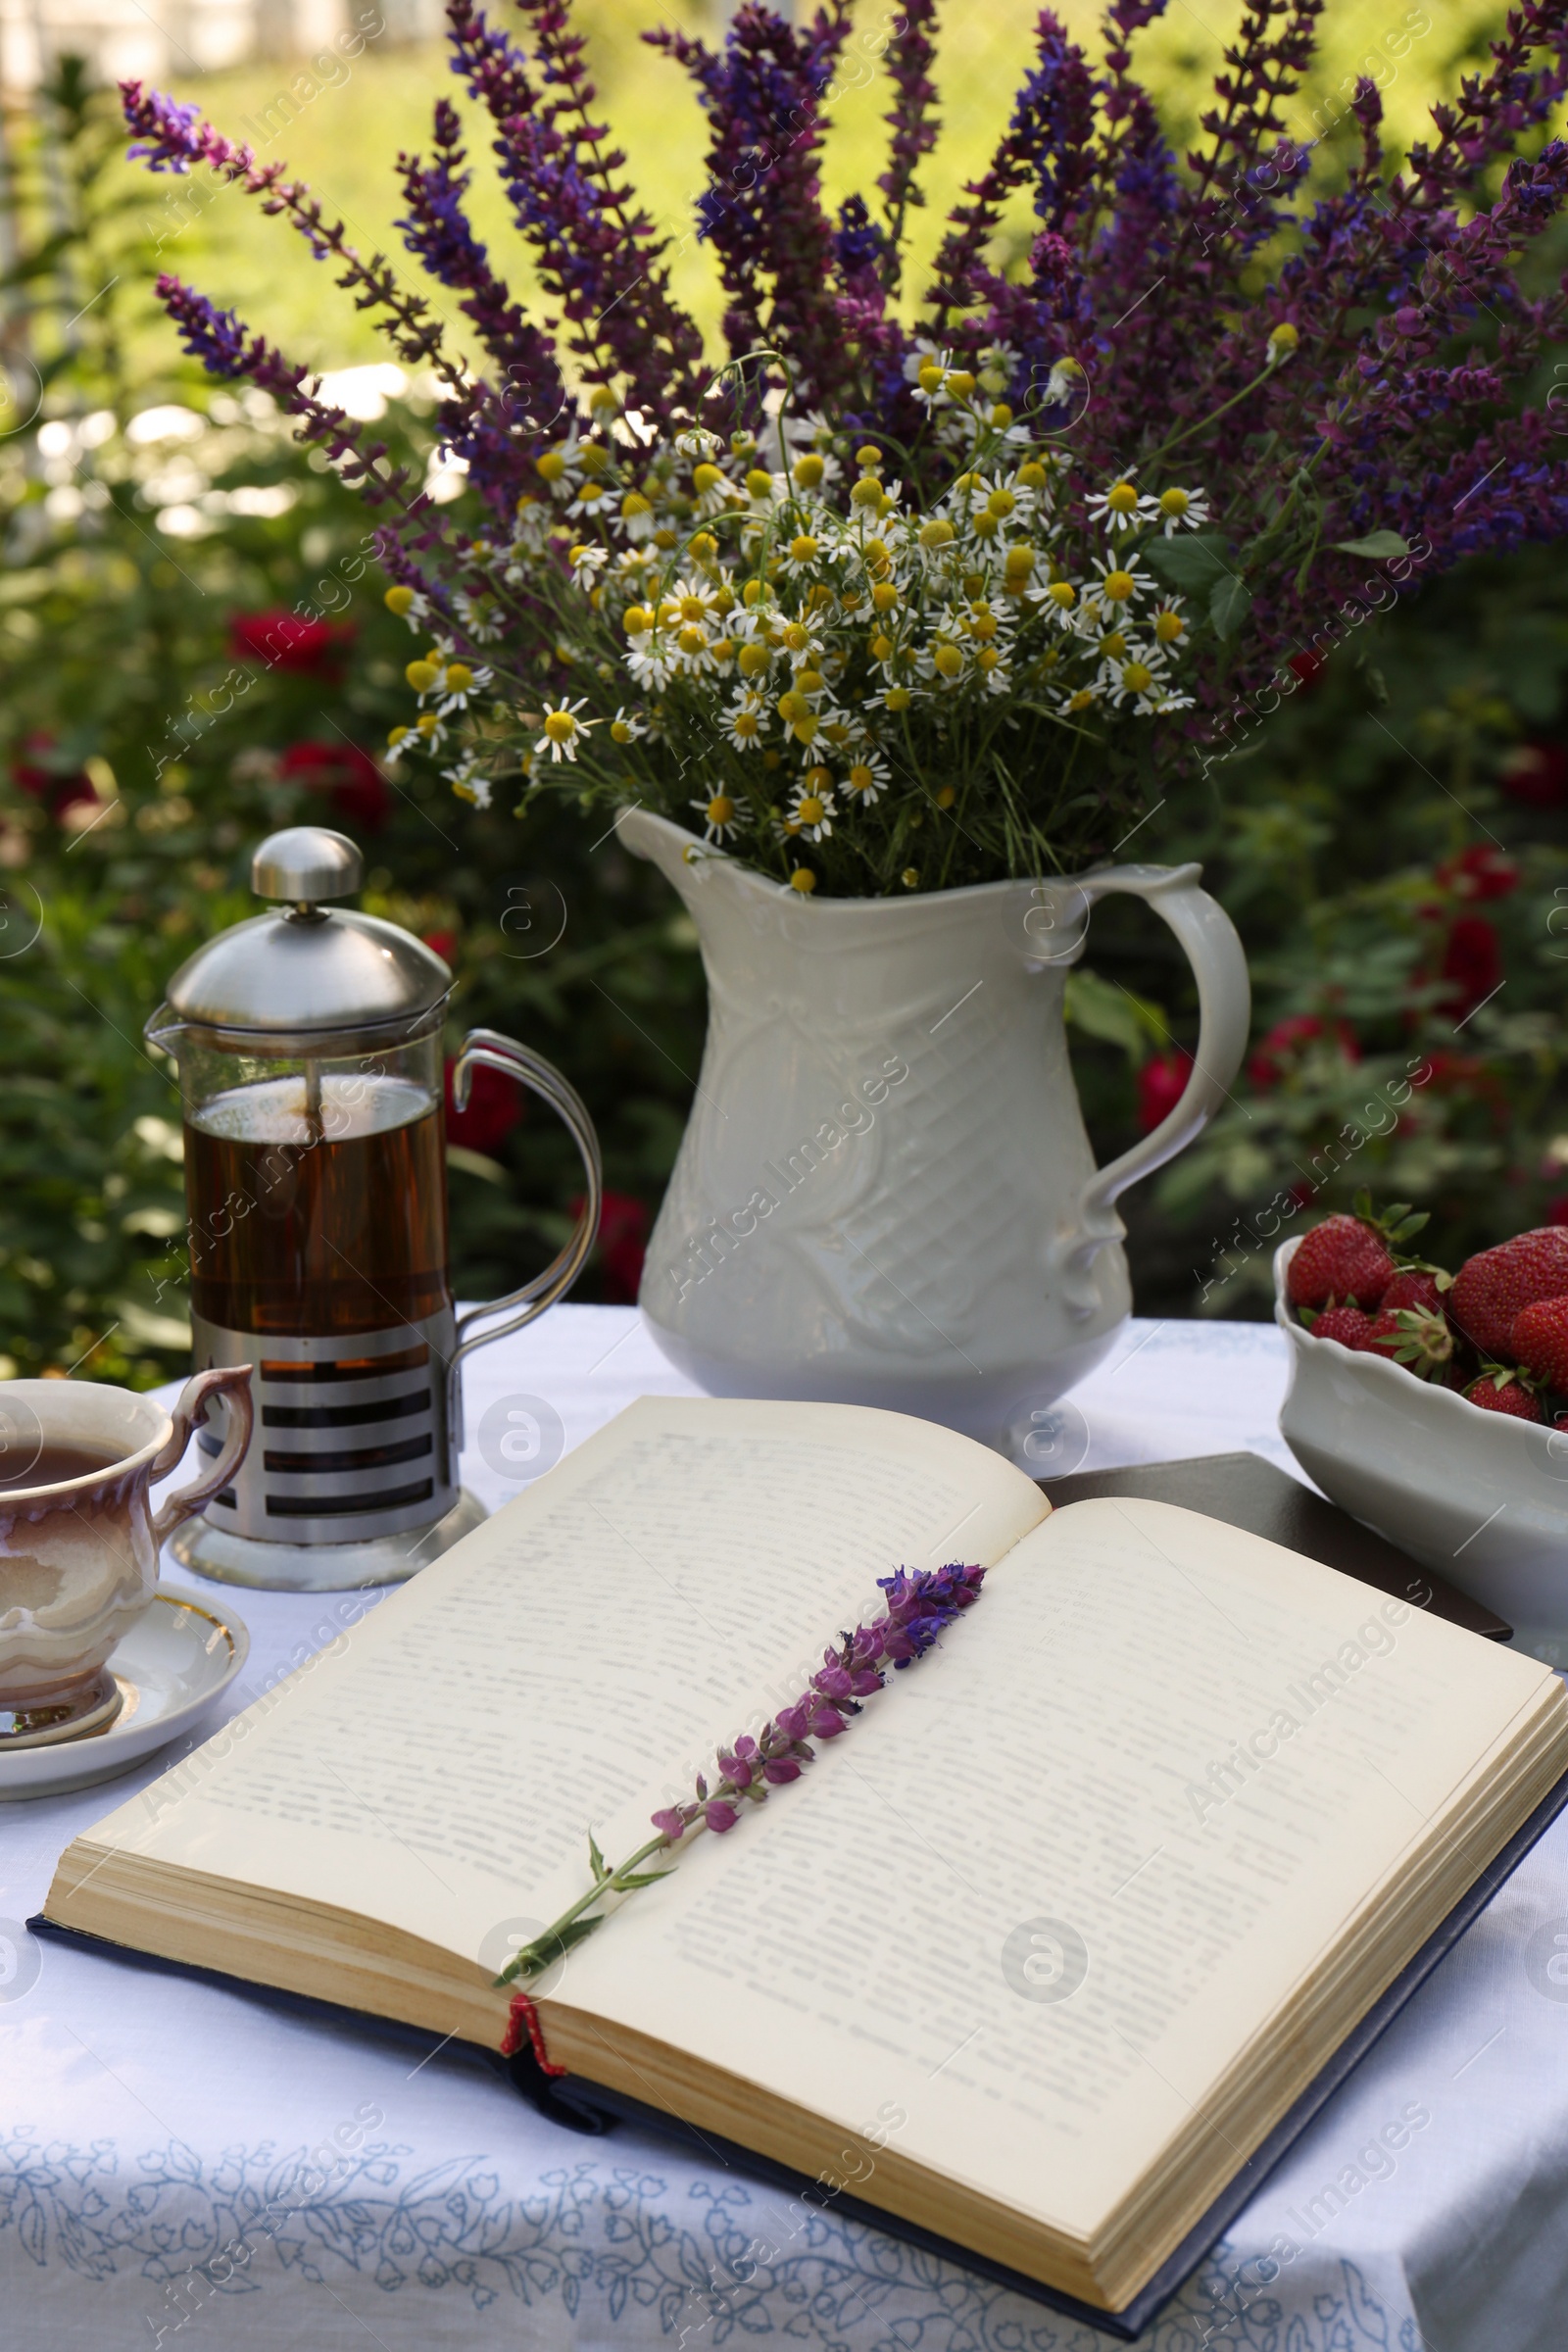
(194, 648)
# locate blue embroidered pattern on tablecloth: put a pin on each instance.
(599, 2238)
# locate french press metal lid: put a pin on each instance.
(309, 1047)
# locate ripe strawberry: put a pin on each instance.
(1416, 1286)
(1541, 1340)
(1495, 1286)
(1415, 1337)
(1341, 1260)
(1346, 1324)
(1512, 1396)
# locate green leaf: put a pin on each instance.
(596, 1859)
(1380, 546)
(554, 1944)
(1113, 1014)
(1230, 601)
(1193, 559)
(645, 1877)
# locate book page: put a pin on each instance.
(1051, 1882)
(452, 1755)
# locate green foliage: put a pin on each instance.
(143, 750)
(1393, 844)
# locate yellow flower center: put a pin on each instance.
(398, 735)
(1118, 587)
(797, 636)
(805, 729)
(1082, 699)
(636, 619)
(910, 877)
(691, 641)
(1174, 502)
(988, 657)
(551, 467)
(620, 732)
(591, 493)
(862, 778)
(897, 698)
(809, 809)
(810, 682)
(746, 724)
(1282, 340)
(1062, 593)
(868, 457)
(692, 607)
(793, 707)
(947, 661)
(960, 384)
(881, 647)
(804, 880)
(594, 457)
(1168, 627)
(884, 597)
(947, 796)
(932, 376)
(1113, 646)
(803, 549)
(428, 724)
(634, 503)
(982, 625)
(724, 648)
(758, 481)
(721, 809)
(808, 471)
(706, 479)
(399, 599)
(1137, 678)
(936, 533)
(753, 660)
(868, 491)
(460, 677)
(559, 726)
(421, 675)
(1001, 503)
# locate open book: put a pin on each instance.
(1048, 1942)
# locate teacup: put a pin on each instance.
(79, 1544)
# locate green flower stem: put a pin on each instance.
(572, 1927)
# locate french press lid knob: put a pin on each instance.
(305, 864)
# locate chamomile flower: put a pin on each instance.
(1138, 679)
(595, 498)
(867, 778)
(408, 603)
(720, 816)
(1166, 621)
(1076, 699)
(1121, 508)
(811, 810)
(650, 659)
(1060, 603)
(803, 556)
(560, 469)
(745, 722)
(563, 729)
(627, 726)
(587, 563)
(460, 683)
(1065, 386)
(1118, 585)
(636, 517)
(1182, 509)
(468, 783)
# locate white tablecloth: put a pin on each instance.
(180, 2164)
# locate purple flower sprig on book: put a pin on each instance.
(920, 1607)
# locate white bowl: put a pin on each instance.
(1478, 1496)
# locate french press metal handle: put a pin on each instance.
(487, 1049)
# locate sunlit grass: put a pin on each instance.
(350, 120)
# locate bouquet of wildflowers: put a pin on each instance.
(918, 587)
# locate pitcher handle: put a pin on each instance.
(232, 1381)
(1218, 959)
(488, 1050)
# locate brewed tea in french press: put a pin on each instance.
(308, 1042)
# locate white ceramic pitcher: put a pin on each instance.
(885, 1195)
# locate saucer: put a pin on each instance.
(175, 1662)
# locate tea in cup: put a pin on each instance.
(78, 1538)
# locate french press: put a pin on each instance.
(309, 1045)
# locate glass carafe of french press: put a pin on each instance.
(310, 1049)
